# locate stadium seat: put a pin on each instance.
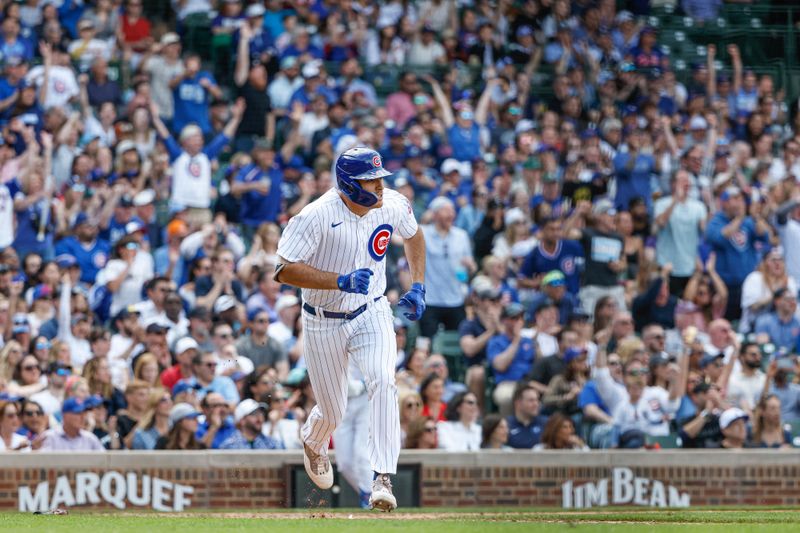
(666, 442)
(448, 344)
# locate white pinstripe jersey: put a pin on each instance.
(329, 237)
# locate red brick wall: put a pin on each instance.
(261, 480)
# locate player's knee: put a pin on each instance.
(382, 384)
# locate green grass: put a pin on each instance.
(417, 520)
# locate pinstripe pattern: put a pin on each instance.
(368, 339)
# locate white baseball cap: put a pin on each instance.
(286, 300)
(186, 343)
(248, 407)
(224, 303)
(450, 165)
(514, 215)
(729, 416)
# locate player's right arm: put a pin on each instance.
(304, 276)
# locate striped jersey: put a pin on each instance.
(328, 236)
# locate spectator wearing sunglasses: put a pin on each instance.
(52, 397)
(461, 431)
(34, 420)
(637, 408)
(205, 368)
(10, 439)
(422, 434)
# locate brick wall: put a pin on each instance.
(259, 480)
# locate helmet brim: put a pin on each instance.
(373, 174)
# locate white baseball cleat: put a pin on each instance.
(382, 497)
(318, 468)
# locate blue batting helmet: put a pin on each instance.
(358, 164)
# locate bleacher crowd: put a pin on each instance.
(612, 244)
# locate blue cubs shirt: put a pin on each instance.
(568, 258)
(191, 103)
(257, 207)
(520, 365)
(91, 259)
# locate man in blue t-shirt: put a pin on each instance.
(732, 235)
(510, 355)
(553, 253)
(634, 169)
(90, 253)
(526, 425)
(259, 186)
(192, 92)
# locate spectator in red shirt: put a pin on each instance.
(134, 28)
(431, 391)
(185, 349)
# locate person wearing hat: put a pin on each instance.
(781, 326)
(288, 309)
(192, 91)
(185, 350)
(603, 249)
(747, 380)
(679, 221)
(217, 423)
(553, 287)
(510, 355)
(260, 347)
(701, 429)
(51, 398)
(191, 160)
(204, 369)
(563, 390)
(733, 424)
(163, 65)
(449, 262)
(167, 258)
(284, 84)
(553, 253)
(87, 47)
(90, 251)
(183, 427)
(249, 417)
(733, 236)
(71, 436)
(633, 168)
(476, 332)
(229, 19)
(712, 366)
(523, 48)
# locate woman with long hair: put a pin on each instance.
(562, 392)
(704, 298)
(761, 284)
(604, 311)
(495, 433)
(412, 374)
(559, 434)
(10, 356)
(183, 427)
(410, 408)
(10, 440)
(199, 267)
(98, 376)
(146, 369)
(421, 434)
(60, 352)
(461, 431)
(155, 422)
(431, 391)
(40, 348)
(27, 378)
(34, 420)
(768, 430)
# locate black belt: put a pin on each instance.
(335, 314)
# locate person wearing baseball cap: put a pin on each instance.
(185, 350)
(734, 237)
(733, 424)
(249, 417)
(510, 355)
(561, 395)
(90, 251)
(71, 436)
(183, 427)
(554, 287)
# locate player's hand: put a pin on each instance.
(414, 300)
(356, 282)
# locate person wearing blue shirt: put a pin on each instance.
(595, 410)
(733, 235)
(13, 44)
(313, 86)
(259, 186)
(525, 425)
(633, 170)
(463, 128)
(553, 288)
(302, 46)
(191, 93)
(217, 425)
(553, 253)
(259, 39)
(91, 253)
(510, 355)
(205, 367)
(781, 325)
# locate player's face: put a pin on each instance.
(375, 187)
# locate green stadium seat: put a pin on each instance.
(448, 344)
(666, 442)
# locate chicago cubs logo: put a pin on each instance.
(59, 86)
(739, 240)
(376, 161)
(99, 259)
(379, 241)
(194, 169)
(568, 266)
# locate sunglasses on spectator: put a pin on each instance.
(31, 367)
(638, 372)
(225, 335)
(42, 345)
(470, 402)
(614, 363)
(216, 405)
(409, 405)
(430, 429)
(210, 365)
(33, 413)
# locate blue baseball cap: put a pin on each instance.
(66, 261)
(93, 401)
(75, 406)
(80, 219)
(573, 353)
(183, 386)
(710, 358)
(42, 291)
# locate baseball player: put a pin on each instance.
(334, 249)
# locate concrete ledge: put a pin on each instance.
(432, 458)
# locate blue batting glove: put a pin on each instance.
(414, 300)
(356, 282)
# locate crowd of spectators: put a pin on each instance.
(613, 247)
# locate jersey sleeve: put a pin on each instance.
(407, 224)
(299, 239)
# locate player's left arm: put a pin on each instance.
(414, 299)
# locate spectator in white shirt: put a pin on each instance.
(461, 432)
